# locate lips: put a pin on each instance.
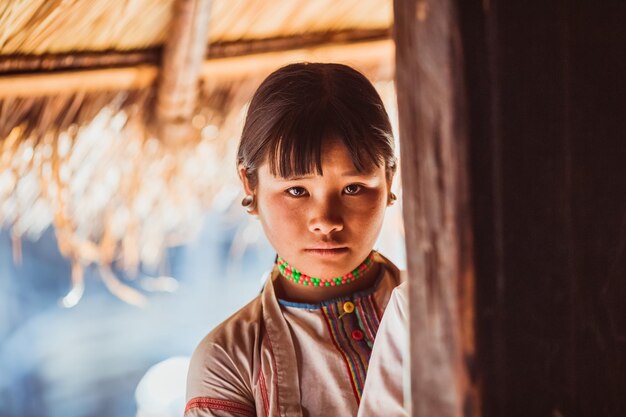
(324, 247)
(329, 245)
(327, 250)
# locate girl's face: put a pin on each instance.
(323, 225)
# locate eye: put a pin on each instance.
(296, 191)
(352, 189)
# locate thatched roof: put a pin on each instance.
(92, 93)
(61, 26)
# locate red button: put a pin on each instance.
(357, 335)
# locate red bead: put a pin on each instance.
(357, 335)
(332, 283)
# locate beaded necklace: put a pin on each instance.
(298, 277)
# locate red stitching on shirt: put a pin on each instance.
(275, 368)
(263, 392)
(367, 320)
(217, 404)
(355, 391)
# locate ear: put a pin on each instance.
(247, 187)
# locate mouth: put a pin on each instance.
(325, 251)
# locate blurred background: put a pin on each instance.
(122, 239)
(106, 357)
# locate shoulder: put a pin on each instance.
(239, 327)
(223, 360)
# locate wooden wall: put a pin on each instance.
(547, 103)
(542, 86)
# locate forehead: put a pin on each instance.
(336, 154)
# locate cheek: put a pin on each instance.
(367, 213)
(279, 220)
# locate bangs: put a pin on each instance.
(295, 145)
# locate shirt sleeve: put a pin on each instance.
(383, 391)
(218, 382)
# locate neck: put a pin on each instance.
(296, 292)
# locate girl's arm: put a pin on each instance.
(216, 382)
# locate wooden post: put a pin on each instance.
(183, 55)
(433, 143)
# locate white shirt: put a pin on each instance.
(383, 393)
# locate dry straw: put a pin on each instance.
(58, 26)
(90, 164)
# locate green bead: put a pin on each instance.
(327, 284)
(316, 284)
(306, 282)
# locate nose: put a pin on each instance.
(325, 217)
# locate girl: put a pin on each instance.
(316, 162)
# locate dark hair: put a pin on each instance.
(299, 106)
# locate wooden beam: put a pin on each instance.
(184, 51)
(288, 43)
(68, 82)
(137, 77)
(90, 60)
(434, 146)
(359, 55)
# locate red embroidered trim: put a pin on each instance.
(216, 404)
(264, 393)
